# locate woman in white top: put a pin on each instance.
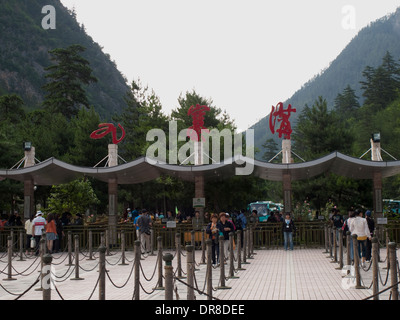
(359, 226)
(28, 229)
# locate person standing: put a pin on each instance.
(28, 230)
(51, 232)
(288, 228)
(241, 223)
(144, 224)
(38, 224)
(359, 227)
(337, 221)
(213, 233)
(225, 227)
(371, 227)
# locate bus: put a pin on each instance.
(392, 206)
(264, 209)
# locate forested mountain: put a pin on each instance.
(24, 55)
(366, 49)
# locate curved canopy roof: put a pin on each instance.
(53, 171)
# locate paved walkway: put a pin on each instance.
(302, 274)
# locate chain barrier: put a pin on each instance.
(354, 264)
(72, 255)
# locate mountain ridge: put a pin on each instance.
(24, 47)
(367, 48)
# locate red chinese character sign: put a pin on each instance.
(106, 128)
(197, 113)
(280, 116)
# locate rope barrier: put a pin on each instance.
(77, 254)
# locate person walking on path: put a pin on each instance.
(359, 226)
(288, 228)
(144, 224)
(38, 224)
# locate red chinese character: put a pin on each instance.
(197, 113)
(106, 128)
(281, 115)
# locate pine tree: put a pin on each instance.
(381, 84)
(346, 104)
(66, 93)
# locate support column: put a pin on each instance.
(199, 180)
(287, 179)
(199, 192)
(287, 192)
(29, 191)
(112, 194)
(377, 196)
(286, 151)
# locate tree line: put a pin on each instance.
(61, 129)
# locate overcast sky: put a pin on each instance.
(244, 55)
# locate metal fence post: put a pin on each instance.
(239, 250)
(102, 273)
(46, 277)
(340, 248)
(209, 269)
(69, 248)
(178, 255)
(222, 264)
(231, 258)
(326, 239)
(9, 259)
(203, 247)
(21, 246)
(76, 241)
(159, 285)
(169, 276)
(90, 245)
(356, 262)
(334, 244)
(190, 272)
(137, 270)
(348, 253)
(375, 268)
(393, 270)
(123, 263)
(245, 246)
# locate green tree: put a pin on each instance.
(381, 84)
(66, 93)
(320, 132)
(11, 108)
(271, 148)
(142, 113)
(83, 150)
(346, 104)
(75, 197)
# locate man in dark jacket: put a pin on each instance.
(225, 227)
(144, 225)
(288, 228)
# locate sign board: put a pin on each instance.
(381, 220)
(171, 224)
(199, 202)
(321, 217)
